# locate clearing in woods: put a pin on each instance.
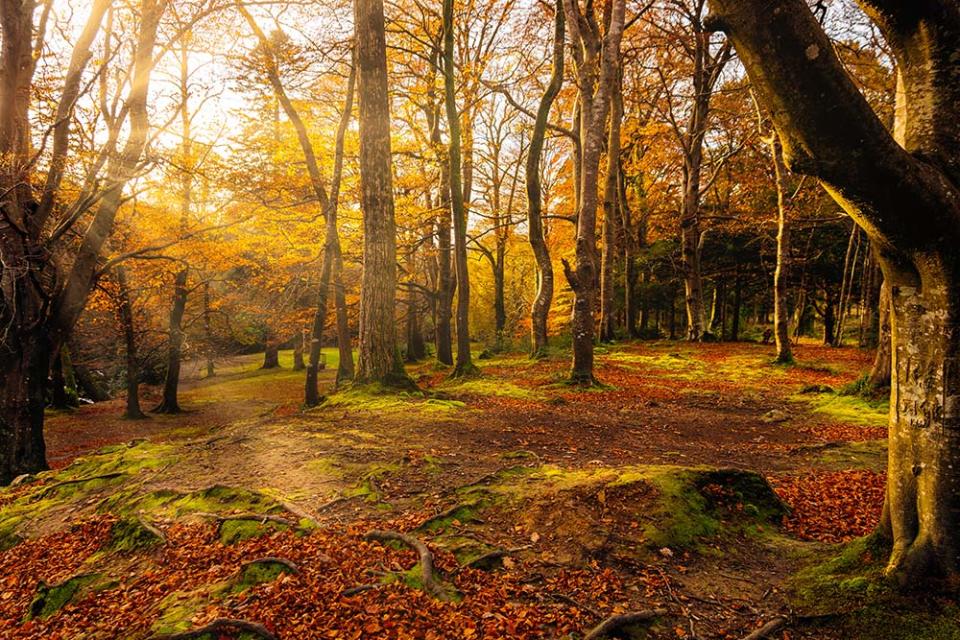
(547, 508)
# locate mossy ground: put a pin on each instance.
(600, 481)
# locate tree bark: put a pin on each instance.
(271, 352)
(596, 59)
(132, 376)
(879, 376)
(540, 310)
(612, 222)
(781, 313)
(906, 198)
(464, 364)
(379, 357)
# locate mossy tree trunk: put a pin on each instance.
(906, 197)
(125, 315)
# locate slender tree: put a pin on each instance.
(464, 364)
(540, 309)
(596, 59)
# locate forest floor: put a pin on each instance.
(547, 507)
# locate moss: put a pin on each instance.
(850, 409)
(259, 572)
(492, 387)
(460, 514)
(845, 580)
(129, 534)
(237, 530)
(383, 399)
(173, 504)
(871, 454)
(51, 599)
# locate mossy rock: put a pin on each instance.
(50, 599)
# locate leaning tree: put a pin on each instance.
(903, 189)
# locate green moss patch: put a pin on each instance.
(233, 530)
(495, 387)
(261, 571)
(51, 599)
(871, 454)
(847, 408)
(131, 534)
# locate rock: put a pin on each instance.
(774, 416)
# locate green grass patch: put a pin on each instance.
(491, 387)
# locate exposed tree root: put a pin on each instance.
(152, 529)
(768, 629)
(219, 626)
(430, 583)
(256, 517)
(619, 621)
(57, 485)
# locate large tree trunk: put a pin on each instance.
(379, 358)
(271, 352)
(34, 329)
(132, 376)
(906, 198)
(540, 310)
(464, 364)
(597, 58)
(208, 329)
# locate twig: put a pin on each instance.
(562, 597)
(426, 558)
(771, 627)
(220, 625)
(616, 622)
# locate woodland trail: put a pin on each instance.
(604, 500)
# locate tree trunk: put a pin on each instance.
(737, 300)
(829, 319)
(298, 363)
(597, 59)
(132, 377)
(464, 364)
(379, 357)
(612, 221)
(904, 191)
(540, 310)
(879, 376)
(171, 382)
(781, 314)
(271, 354)
(208, 329)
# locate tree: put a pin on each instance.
(464, 364)
(907, 199)
(379, 358)
(596, 60)
(39, 307)
(541, 303)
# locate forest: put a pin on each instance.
(479, 319)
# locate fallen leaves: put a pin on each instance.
(831, 506)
